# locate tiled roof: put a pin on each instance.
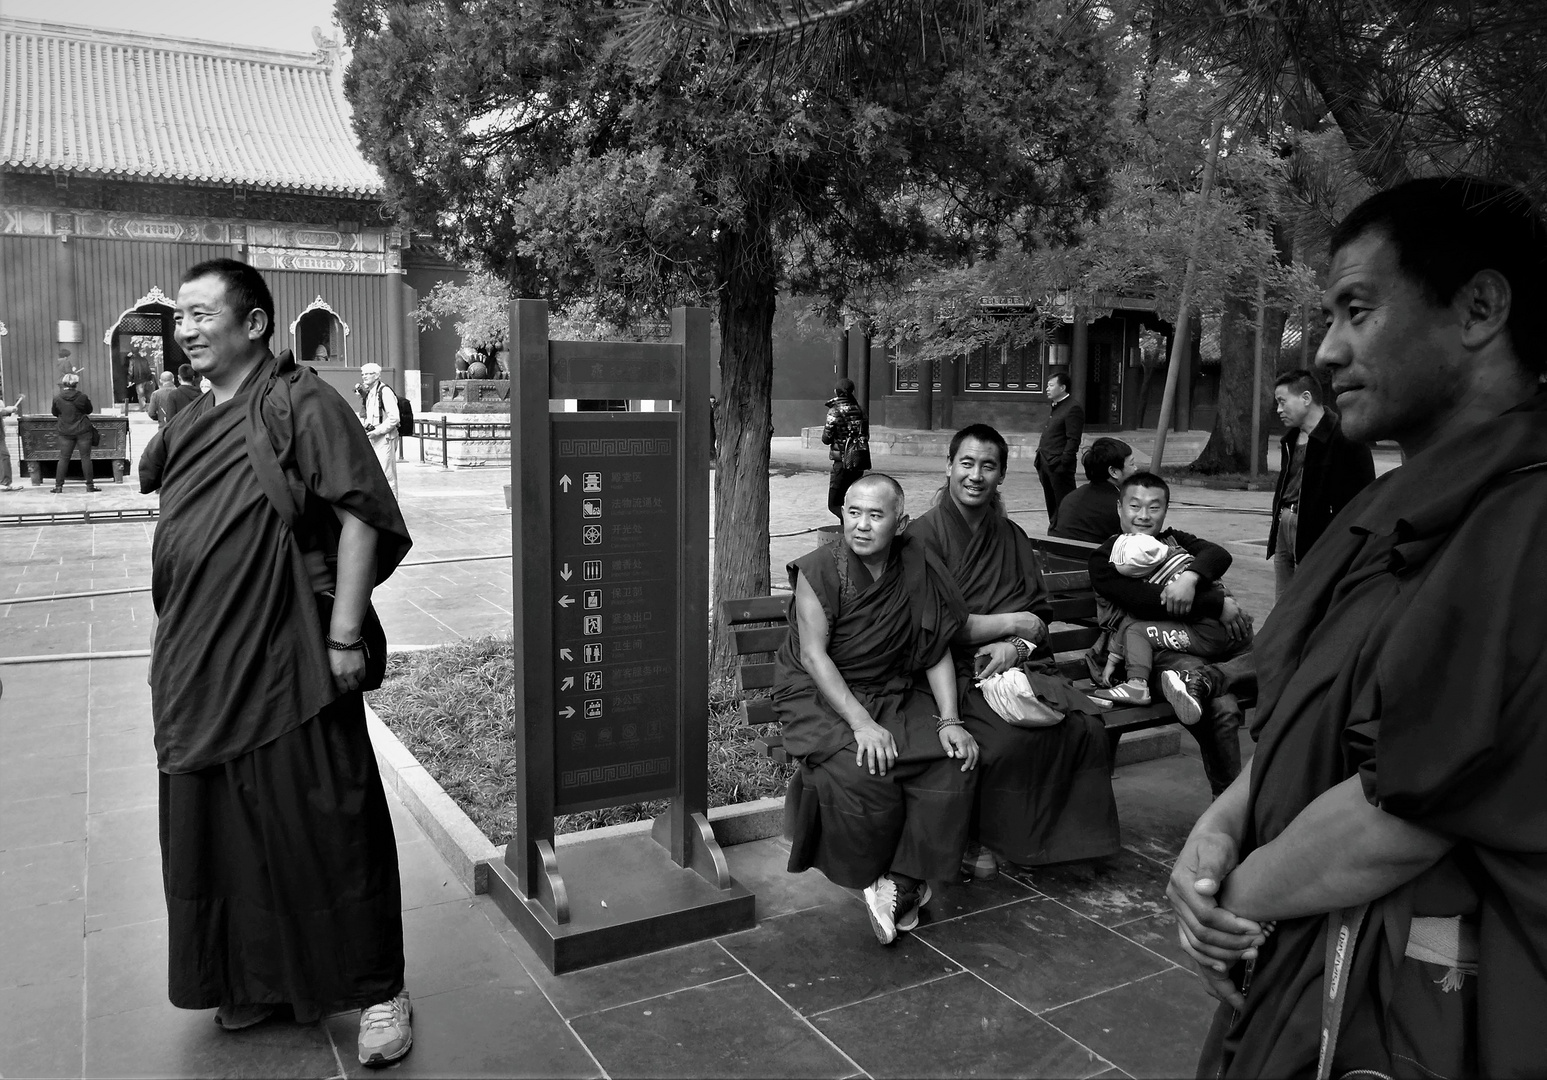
(130, 105)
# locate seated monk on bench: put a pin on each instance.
(883, 790)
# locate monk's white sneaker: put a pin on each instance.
(881, 906)
(386, 1031)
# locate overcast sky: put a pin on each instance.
(277, 24)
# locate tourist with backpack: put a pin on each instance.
(382, 417)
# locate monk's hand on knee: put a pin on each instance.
(1213, 936)
(877, 749)
(959, 743)
(997, 656)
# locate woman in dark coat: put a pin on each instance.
(75, 429)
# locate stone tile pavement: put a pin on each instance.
(1064, 972)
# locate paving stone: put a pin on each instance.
(733, 1028)
(954, 1027)
(125, 891)
(478, 1031)
(1041, 953)
(42, 943)
(123, 747)
(35, 778)
(44, 1029)
(426, 878)
(1157, 933)
(760, 866)
(606, 986)
(824, 957)
(953, 899)
(449, 946)
(123, 789)
(126, 967)
(42, 874)
(68, 740)
(1151, 1028)
(123, 834)
(53, 819)
(1116, 889)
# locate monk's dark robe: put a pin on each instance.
(1045, 795)
(1409, 652)
(841, 819)
(278, 854)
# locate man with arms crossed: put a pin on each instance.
(1060, 443)
(1393, 822)
(277, 848)
(1045, 795)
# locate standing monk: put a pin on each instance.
(879, 801)
(1394, 819)
(277, 847)
(1045, 794)
(1059, 446)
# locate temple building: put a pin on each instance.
(127, 157)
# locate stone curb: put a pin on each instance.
(469, 852)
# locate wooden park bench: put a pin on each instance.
(39, 446)
(759, 625)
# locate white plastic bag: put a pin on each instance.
(1010, 695)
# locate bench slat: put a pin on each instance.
(767, 639)
(757, 676)
(1074, 608)
(1067, 581)
(756, 712)
(755, 609)
(1078, 639)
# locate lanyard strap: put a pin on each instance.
(1342, 935)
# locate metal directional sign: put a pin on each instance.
(618, 624)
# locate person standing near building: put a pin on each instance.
(381, 420)
(1089, 512)
(847, 435)
(279, 860)
(1059, 446)
(1320, 471)
(159, 409)
(5, 449)
(76, 430)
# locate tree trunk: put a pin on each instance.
(1229, 446)
(748, 293)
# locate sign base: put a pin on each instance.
(626, 898)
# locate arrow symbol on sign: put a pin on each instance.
(566, 600)
(565, 654)
(565, 481)
(566, 713)
(568, 683)
(565, 573)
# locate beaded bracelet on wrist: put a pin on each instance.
(358, 645)
(943, 722)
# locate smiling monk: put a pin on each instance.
(881, 797)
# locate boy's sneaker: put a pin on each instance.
(979, 862)
(912, 901)
(386, 1031)
(881, 905)
(1187, 691)
(1126, 693)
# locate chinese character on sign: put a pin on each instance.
(593, 708)
(593, 653)
(592, 570)
(592, 535)
(591, 481)
(591, 508)
(593, 626)
(592, 599)
(593, 680)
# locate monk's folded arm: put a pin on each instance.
(1338, 852)
(813, 657)
(355, 578)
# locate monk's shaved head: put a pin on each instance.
(880, 483)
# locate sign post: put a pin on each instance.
(610, 524)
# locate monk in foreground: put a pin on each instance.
(882, 794)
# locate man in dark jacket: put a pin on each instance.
(1060, 443)
(847, 433)
(1320, 470)
(1089, 512)
(75, 430)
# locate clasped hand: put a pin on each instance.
(1214, 937)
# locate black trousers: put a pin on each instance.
(838, 486)
(1055, 487)
(69, 445)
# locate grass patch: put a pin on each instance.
(452, 707)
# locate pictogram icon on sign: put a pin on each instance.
(593, 625)
(593, 680)
(593, 708)
(591, 508)
(591, 570)
(591, 481)
(591, 599)
(592, 534)
(593, 654)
